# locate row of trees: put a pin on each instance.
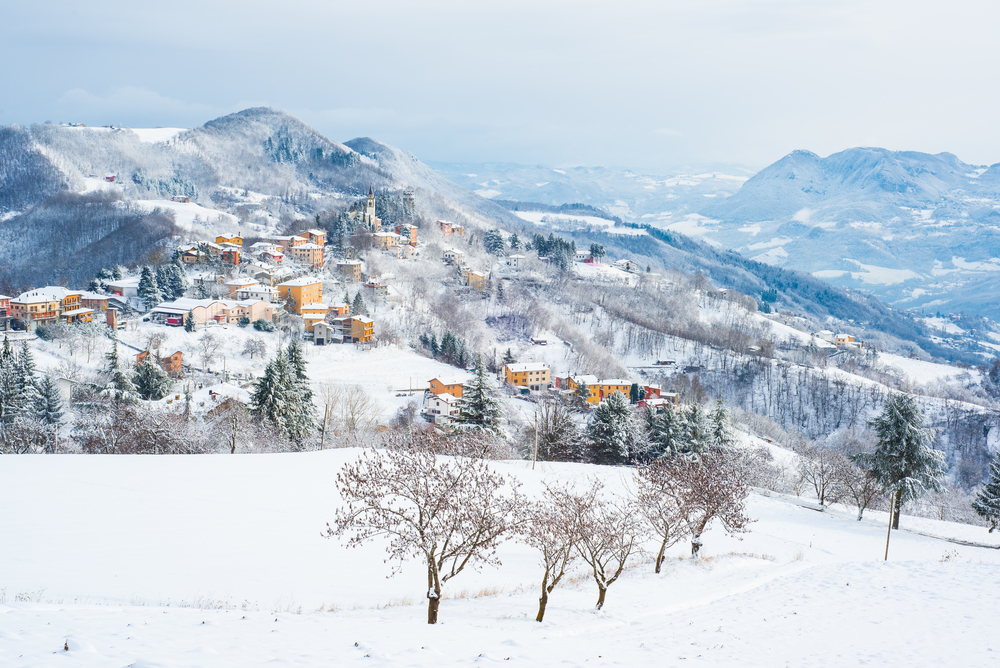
(453, 513)
(30, 408)
(166, 283)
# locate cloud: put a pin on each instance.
(668, 132)
(134, 106)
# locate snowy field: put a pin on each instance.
(218, 561)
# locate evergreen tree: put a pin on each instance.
(269, 400)
(718, 424)
(48, 407)
(581, 396)
(987, 501)
(25, 388)
(149, 290)
(514, 242)
(202, 291)
(478, 407)
(501, 293)
(116, 273)
(358, 306)
(119, 387)
(150, 381)
(508, 358)
(347, 299)
(597, 252)
(433, 346)
(8, 385)
(633, 393)
(493, 242)
(301, 419)
(665, 433)
(162, 275)
(177, 280)
(697, 434)
(189, 322)
(613, 433)
(903, 463)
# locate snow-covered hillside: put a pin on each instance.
(218, 561)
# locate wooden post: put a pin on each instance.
(889, 530)
(534, 452)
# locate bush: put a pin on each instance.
(244, 321)
(262, 325)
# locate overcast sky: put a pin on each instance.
(647, 85)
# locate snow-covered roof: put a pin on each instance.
(588, 379)
(449, 381)
(245, 281)
(299, 282)
(50, 293)
(307, 246)
(445, 397)
(528, 366)
(78, 311)
(314, 306)
(615, 381)
(347, 262)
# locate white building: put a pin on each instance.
(442, 408)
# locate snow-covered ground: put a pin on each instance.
(218, 561)
(922, 372)
(157, 135)
(196, 220)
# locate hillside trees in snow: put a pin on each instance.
(150, 381)
(902, 462)
(493, 242)
(450, 513)
(987, 501)
(659, 499)
(479, 408)
(30, 409)
(610, 532)
(714, 486)
(615, 435)
(551, 525)
(558, 438)
(149, 289)
(281, 396)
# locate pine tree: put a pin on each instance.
(718, 424)
(189, 322)
(8, 394)
(269, 401)
(479, 408)
(697, 434)
(149, 291)
(116, 273)
(177, 280)
(613, 433)
(150, 381)
(301, 418)
(347, 299)
(581, 396)
(508, 358)
(433, 346)
(48, 408)
(493, 242)
(119, 387)
(987, 501)
(514, 242)
(903, 463)
(162, 275)
(358, 306)
(25, 388)
(633, 393)
(665, 433)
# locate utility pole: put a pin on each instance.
(534, 452)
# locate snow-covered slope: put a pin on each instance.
(218, 561)
(915, 228)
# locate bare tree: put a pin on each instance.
(208, 345)
(450, 513)
(716, 486)
(659, 497)
(551, 526)
(330, 396)
(359, 412)
(859, 486)
(255, 346)
(610, 533)
(821, 467)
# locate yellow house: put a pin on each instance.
(350, 269)
(236, 241)
(533, 375)
(606, 388)
(313, 313)
(447, 386)
(476, 280)
(573, 383)
(304, 290)
(362, 329)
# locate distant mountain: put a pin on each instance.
(633, 196)
(919, 230)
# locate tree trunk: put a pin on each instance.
(896, 507)
(600, 596)
(543, 600)
(433, 596)
(659, 556)
(695, 545)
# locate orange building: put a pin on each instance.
(236, 241)
(447, 386)
(533, 375)
(302, 291)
